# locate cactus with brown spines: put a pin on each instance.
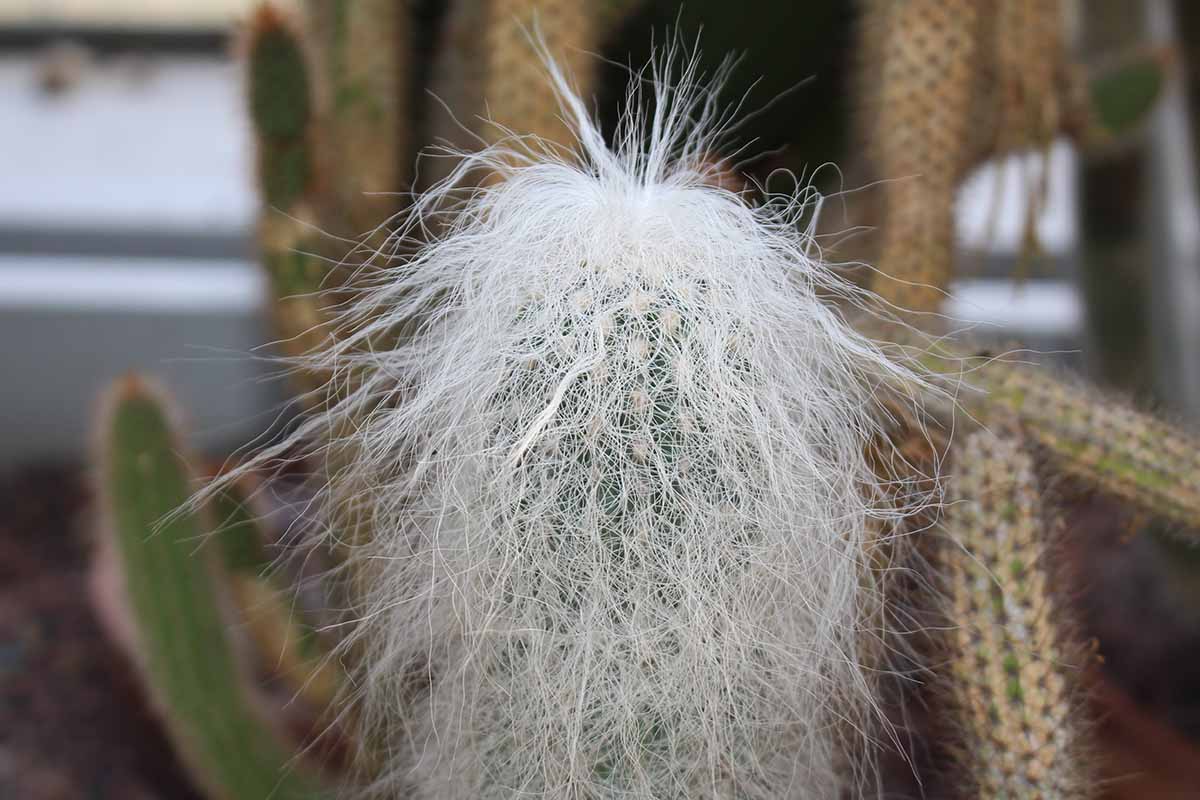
(1012, 672)
(362, 51)
(1106, 444)
(944, 86)
(1100, 442)
(492, 79)
(924, 81)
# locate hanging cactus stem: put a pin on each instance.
(1012, 675)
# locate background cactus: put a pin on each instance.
(945, 86)
(282, 110)
(287, 644)
(182, 640)
(1017, 711)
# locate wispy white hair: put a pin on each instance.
(601, 439)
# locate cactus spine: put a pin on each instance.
(1013, 671)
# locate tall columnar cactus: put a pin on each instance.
(943, 86)
(516, 91)
(362, 52)
(181, 638)
(922, 84)
(281, 110)
(1019, 726)
(493, 79)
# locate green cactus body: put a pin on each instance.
(282, 112)
(1132, 456)
(1013, 670)
(280, 100)
(182, 637)
(653, 429)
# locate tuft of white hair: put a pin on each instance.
(603, 437)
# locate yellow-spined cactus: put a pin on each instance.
(1013, 677)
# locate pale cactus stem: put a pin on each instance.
(491, 76)
(1014, 670)
(920, 130)
(1103, 443)
(943, 86)
(1100, 442)
(363, 51)
(516, 90)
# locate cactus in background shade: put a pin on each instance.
(491, 77)
(362, 50)
(1013, 673)
(281, 111)
(1099, 442)
(516, 90)
(182, 643)
(287, 644)
(609, 15)
(1103, 443)
(944, 86)
(919, 135)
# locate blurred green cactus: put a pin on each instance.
(287, 643)
(182, 640)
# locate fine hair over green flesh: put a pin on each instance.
(615, 481)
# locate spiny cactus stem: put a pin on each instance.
(1014, 667)
(363, 53)
(281, 101)
(1100, 442)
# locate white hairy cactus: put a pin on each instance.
(612, 485)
